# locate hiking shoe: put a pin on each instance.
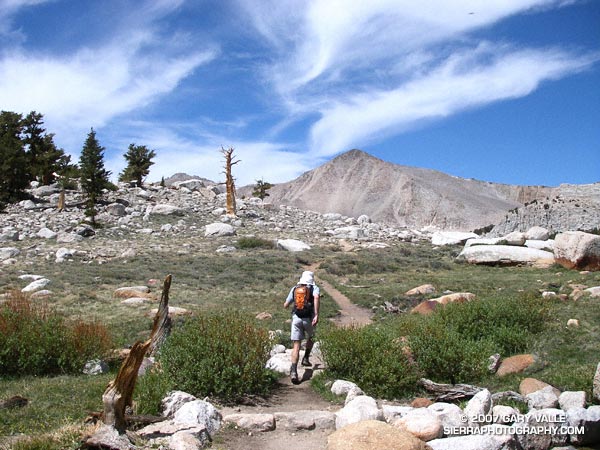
(306, 362)
(294, 376)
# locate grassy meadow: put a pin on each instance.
(256, 279)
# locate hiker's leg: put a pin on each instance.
(295, 352)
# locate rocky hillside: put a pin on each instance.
(187, 216)
(357, 183)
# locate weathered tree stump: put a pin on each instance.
(119, 393)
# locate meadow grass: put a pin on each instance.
(257, 279)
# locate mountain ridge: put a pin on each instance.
(356, 183)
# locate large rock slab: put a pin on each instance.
(503, 255)
(577, 250)
(371, 435)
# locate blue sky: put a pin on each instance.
(498, 90)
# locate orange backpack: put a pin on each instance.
(303, 301)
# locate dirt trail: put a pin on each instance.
(288, 397)
(350, 314)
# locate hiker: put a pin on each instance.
(305, 316)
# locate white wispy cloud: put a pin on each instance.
(373, 69)
(463, 81)
(97, 83)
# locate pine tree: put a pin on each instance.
(13, 159)
(43, 155)
(139, 160)
(94, 177)
(261, 188)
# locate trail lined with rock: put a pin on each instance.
(296, 412)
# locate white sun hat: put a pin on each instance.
(307, 278)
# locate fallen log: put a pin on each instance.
(449, 392)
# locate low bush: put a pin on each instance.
(453, 344)
(221, 355)
(372, 357)
(254, 242)
(34, 340)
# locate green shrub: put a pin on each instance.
(454, 343)
(254, 242)
(34, 340)
(221, 355)
(444, 355)
(371, 357)
(150, 389)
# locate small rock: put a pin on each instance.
(424, 289)
(421, 402)
(421, 423)
(264, 316)
(218, 229)
(360, 409)
(46, 233)
(36, 285)
(515, 364)
(373, 435)
(252, 422)
(596, 384)
(342, 387)
(494, 363)
(571, 399)
(480, 405)
(95, 367)
(573, 323)
(292, 245)
(8, 252)
(542, 399)
(173, 401)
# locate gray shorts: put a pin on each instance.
(301, 328)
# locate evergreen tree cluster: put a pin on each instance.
(28, 153)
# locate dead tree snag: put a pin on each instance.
(229, 180)
(119, 393)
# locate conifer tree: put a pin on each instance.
(13, 159)
(94, 177)
(260, 189)
(139, 160)
(43, 155)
